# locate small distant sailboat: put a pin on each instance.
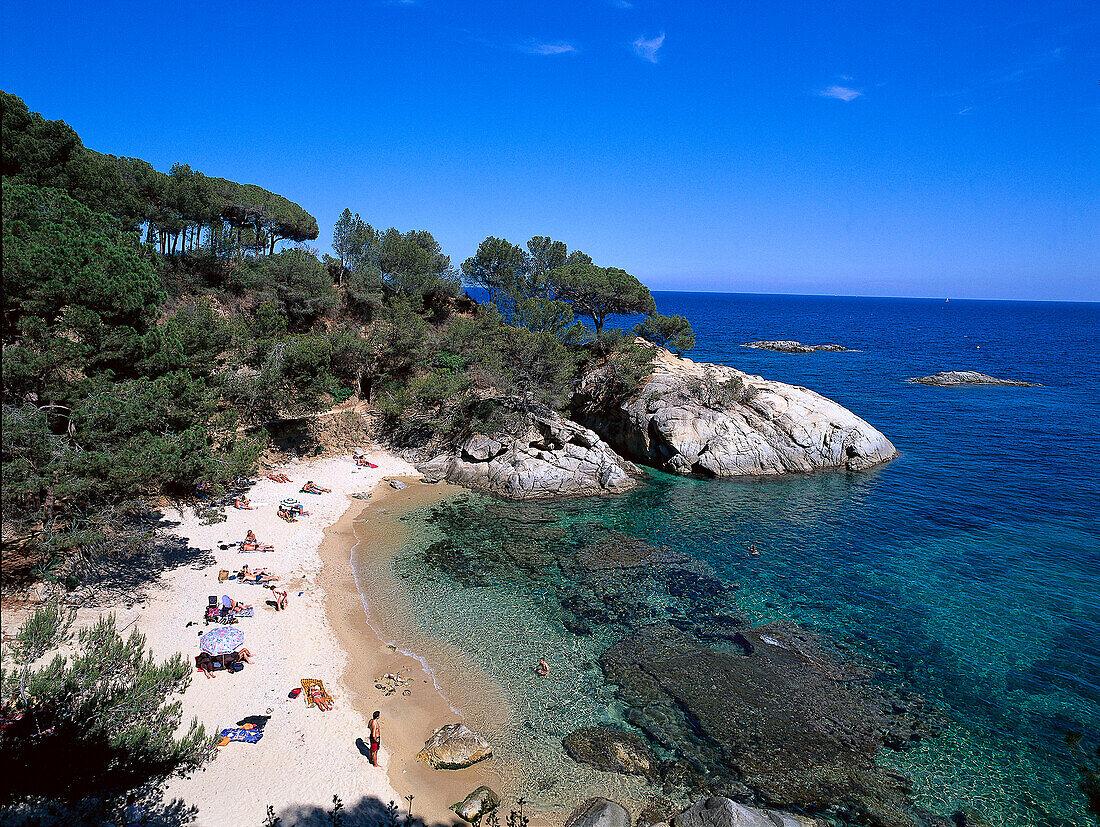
(947, 300)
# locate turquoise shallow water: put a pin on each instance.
(968, 566)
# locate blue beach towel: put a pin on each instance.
(245, 736)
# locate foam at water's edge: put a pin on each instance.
(424, 666)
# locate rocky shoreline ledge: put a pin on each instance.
(685, 418)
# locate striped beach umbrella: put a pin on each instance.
(221, 641)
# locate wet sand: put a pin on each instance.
(373, 628)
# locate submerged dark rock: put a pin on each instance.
(784, 718)
(610, 750)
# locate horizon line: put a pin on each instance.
(864, 296)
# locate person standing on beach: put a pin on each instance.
(375, 737)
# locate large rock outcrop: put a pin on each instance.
(547, 456)
(691, 417)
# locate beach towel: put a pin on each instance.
(245, 736)
(307, 683)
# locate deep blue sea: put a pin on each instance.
(970, 565)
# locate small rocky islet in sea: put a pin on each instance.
(790, 346)
(956, 378)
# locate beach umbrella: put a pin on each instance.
(221, 641)
(290, 503)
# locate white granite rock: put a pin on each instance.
(724, 812)
(552, 456)
(691, 417)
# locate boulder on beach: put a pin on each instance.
(723, 812)
(696, 418)
(547, 455)
(477, 805)
(610, 750)
(954, 378)
(453, 747)
(397, 484)
(599, 812)
(789, 346)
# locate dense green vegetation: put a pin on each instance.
(151, 326)
(93, 724)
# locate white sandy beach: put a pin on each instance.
(305, 756)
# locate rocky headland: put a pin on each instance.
(790, 346)
(547, 456)
(697, 418)
(954, 378)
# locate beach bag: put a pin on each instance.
(223, 575)
(212, 613)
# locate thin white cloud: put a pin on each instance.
(964, 110)
(647, 49)
(622, 4)
(840, 93)
(559, 47)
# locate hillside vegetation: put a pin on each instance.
(153, 321)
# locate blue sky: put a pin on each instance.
(867, 148)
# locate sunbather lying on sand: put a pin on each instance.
(287, 516)
(234, 605)
(362, 461)
(313, 488)
(278, 477)
(233, 658)
(258, 576)
(250, 543)
(243, 503)
(320, 698)
(205, 663)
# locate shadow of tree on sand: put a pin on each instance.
(367, 812)
(174, 813)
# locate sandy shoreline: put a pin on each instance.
(305, 756)
(367, 623)
(344, 632)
